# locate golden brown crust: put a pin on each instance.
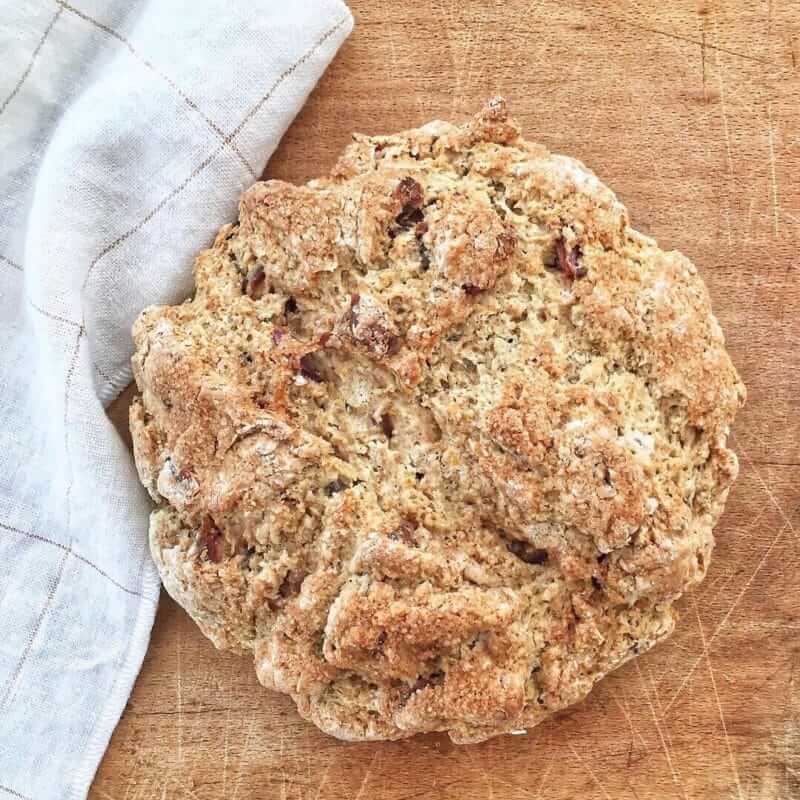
(439, 439)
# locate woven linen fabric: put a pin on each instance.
(127, 132)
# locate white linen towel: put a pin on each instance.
(127, 132)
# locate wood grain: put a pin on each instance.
(691, 112)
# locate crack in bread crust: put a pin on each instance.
(439, 439)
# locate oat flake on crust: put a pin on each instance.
(439, 439)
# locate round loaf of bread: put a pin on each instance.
(439, 439)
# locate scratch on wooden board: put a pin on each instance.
(547, 767)
(476, 37)
(760, 439)
(585, 764)
(763, 483)
(366, 777)
(711, 675)
(390, 37)
(323, 779)
(283, 770)
(730, 94)
(590, 129)
(243, 755)
(516, 787)
(466, 46)
(634, 731)
(489, 783)
(186, 788)
(455, 54)
(443, 14)
(726, 132)
(675, 778)
(721, 585)
(131, 783)
(668, 734)
(703, 56)
(725, 619)
(537, 57)
(179, 693)
(755, 187)
(723, 580)
(135, 775)
(682, 647)
(226, 756)
(680, 37)
(153, 786)
(770, 133)
(716, 47)
(142, 788)
(749, 237)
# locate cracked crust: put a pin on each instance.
(439, 439)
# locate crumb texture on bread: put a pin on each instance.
(439, 439)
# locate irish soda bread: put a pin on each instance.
(439, 439)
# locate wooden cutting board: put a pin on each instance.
(691, 112)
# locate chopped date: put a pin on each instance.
(181, 475)
(309, 370)
(211, 540)
(334, 487)
(387, 425)
(409, 193)
(173, 469)
(277, 335)
(409, 217)
(355, 299)
(424, 258)
(394, 345)
(290, 586)
(405, 533)
(369, 329)
(410, 522)
(215, 548)
(506, 242)
(569, 261)
(526, 552)
(351, 315)
(255, 282)
(434, 679)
